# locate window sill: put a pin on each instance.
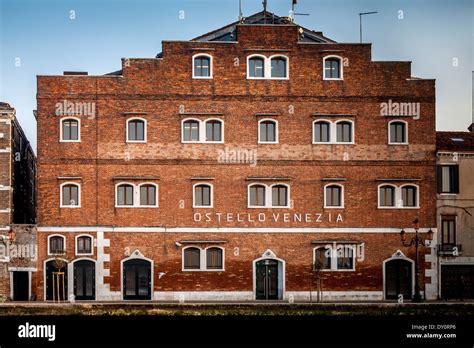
(70, 206)
(69, 141)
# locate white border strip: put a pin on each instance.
(229, 229)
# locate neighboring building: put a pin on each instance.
(17, 208)
(230, 165)
(456, 214)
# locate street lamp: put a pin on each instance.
(416, 240)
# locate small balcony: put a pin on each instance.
(449, 249)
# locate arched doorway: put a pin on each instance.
(84, 280)
(269, 277)
(136, 279)
(56, 280)
(398, 277)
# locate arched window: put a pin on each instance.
(214, 258)
(148, 195)
(136, 130)
(321, 132)
(70, 129)
(344, 132)
(257, 195)
(409, 196)
(398, 132)
(256, 67)
(387, 196)
(333, 196)
(279, 67)
(332, 68)
(279, 196)
(57, 245)
(213, 130)
(125, 193)
(191, 130)
(345, 257)
(84, 245)
(322, 258)
(267, 132)
(70, 195)
(192, 258)
(202, 66)
(202, 195)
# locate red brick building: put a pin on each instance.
(234, 166)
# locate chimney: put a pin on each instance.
(75, 73)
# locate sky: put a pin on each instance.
(47, 37)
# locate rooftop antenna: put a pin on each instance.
(241, 15)
(293, 13)
(360, 21)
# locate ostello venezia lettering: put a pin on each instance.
(268, 217)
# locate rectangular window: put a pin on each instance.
(147, 195)
(448, 229)
(409, 196)
(214, 258)
(448, 179)
(84, 245)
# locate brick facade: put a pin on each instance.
(163, 92)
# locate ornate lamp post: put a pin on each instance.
(417, 241)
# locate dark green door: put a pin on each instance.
(84, 280)
(137, 280)
(267, 280)
(398, 279)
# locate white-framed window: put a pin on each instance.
(279, 67)
(56, 244)
(202, 66)
(136, 130)
(333, 69)
(268, 131)
(214, 130)
(195, 258)
(397, 132)
(203, 195)
(334, 257)
(333, 132)
(142, 195)
(257, 195)
(70, 195)
(321, 132)
(70, 130)
(268, 196)
(275, 67)
(344, 132)
(210, 130)
(148, 194)
(391, 196)
(256, 66)
(84, 244)
(387, 196)
(409, 196)
(322, 258)
(125, 195)
(333, 196)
